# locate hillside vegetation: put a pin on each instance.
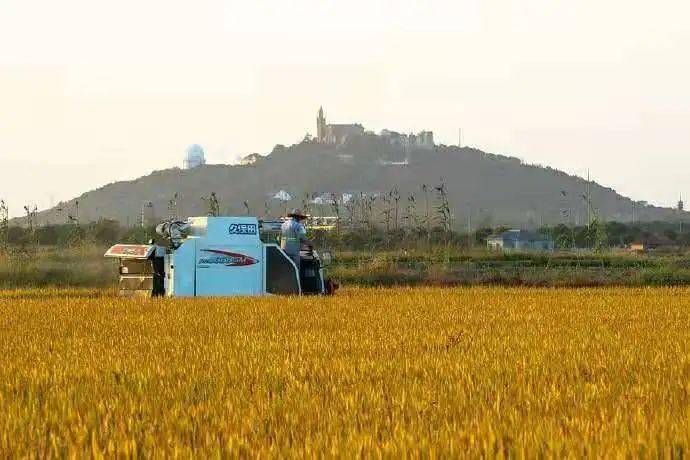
(487, 189)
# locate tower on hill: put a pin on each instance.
(335, 134)
(321, 126)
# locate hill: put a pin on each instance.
(485, 188)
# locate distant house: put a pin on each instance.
(652, 243)
(323, 198)
(281, 195)
(520, 240)
(638, 247)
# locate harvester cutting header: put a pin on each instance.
(222, 256)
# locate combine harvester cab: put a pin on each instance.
(216, 256)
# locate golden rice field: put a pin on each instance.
(416, 372)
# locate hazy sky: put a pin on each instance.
(94, 91)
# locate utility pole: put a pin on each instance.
(565, 209)
(633, 211)
(460, 137)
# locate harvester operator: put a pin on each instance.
(293, 236)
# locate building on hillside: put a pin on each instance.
(422, 140)
(280, 195)
(250, 159)
(323, 198)
(338, 134)
(520, 240)
(404, 162)
(194, 156)
(394, 137)
(335, 133)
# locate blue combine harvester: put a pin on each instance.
(217, 256)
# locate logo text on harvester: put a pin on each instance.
(242, 229)
(227, 258)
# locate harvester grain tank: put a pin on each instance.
(217, 256)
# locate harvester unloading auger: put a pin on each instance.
(217, 256)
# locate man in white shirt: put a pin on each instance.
(293, 235)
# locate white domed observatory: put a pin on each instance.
(193, 157)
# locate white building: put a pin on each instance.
(423, 139)
(193, 157)
(281, 195)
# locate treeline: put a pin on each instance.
(103, 232)
(417, 235)
(392, 219)
(596, 236)
(619, 235)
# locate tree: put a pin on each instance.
(335, 205)
(370, 202)
(427, 214)
(73, 217)
(306, 204)
(351, 209)
(387, 212)
(172, 207)
(105, 231)
(212, 205)
(31, 224)
(601, 239)
(564, 237)
(482, 234)
(367, 204)
(443, 207)
(4, 227)
(410, 216)
(278, 148)
(395, 195)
